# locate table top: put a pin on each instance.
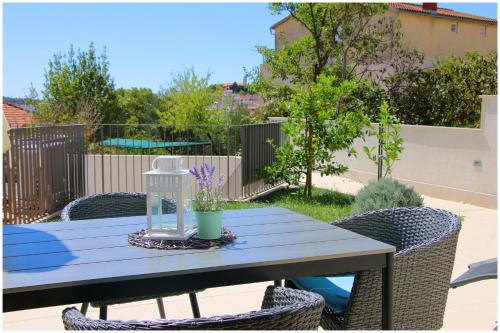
(89, 252)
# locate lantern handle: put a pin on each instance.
(153, 164)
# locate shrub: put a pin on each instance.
(385, 193)
(446, 94)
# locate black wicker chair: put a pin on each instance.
(425, 241)
(106, 205)
(119, 204)
(282, 308)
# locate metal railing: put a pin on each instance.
(118, 154)
(113, 157)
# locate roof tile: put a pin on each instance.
(440, 11)
(17, 116)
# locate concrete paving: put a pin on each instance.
(471, 307)
(474, 306)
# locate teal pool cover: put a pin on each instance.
(149, 144)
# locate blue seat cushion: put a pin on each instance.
(336, 290)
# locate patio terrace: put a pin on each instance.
(473, 306)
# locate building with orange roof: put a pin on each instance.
(17, 116)
(433, 31)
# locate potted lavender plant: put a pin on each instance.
(208, 202)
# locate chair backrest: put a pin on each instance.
(403, 227)
(282, 308)
(425, 240)
(108, 205)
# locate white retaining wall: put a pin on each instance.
(458, 164)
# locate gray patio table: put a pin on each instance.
(58, 263)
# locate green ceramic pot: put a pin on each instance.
(209, 224)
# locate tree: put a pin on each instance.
(189, 100)
(77, 88)
(138, 106)
(236, 88)
(325, 132)
(311, 79)
(390, 142)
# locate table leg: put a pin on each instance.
(387, 292)
(103, 312)
(194, 305)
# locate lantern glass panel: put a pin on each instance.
(169, 204)
(164, 215)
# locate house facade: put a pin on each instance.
(431, 30)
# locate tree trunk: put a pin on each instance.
(310, 162)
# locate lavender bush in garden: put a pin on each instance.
(208, 198)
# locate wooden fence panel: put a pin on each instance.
(42, 172)
(257, 153)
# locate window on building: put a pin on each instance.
(482, 31)
(454, 27)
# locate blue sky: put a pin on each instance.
(145, 42)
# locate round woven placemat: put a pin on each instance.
(137, 239)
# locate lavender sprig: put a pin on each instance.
(198, 176)
(207, 199)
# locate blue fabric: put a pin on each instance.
(336, 290)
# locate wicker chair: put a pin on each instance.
(282, 308)
(119, 204)
(425, 241)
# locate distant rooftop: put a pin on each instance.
(17, 116)
(439, 11)
(426, 8)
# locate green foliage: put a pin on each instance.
(311, 80)
(273, 91)
(385, 193)
(313, 110)
(77, 89)
(366, 96)
(341, 37)
(446, 94)
(207, 201)
(241, 115)
(388, 136)
(190, 100)
(236, 88)
(324, 205)
(138, 106)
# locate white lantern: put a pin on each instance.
(166, 188)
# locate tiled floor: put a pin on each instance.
(472, 307)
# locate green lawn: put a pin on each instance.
(324, 205)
